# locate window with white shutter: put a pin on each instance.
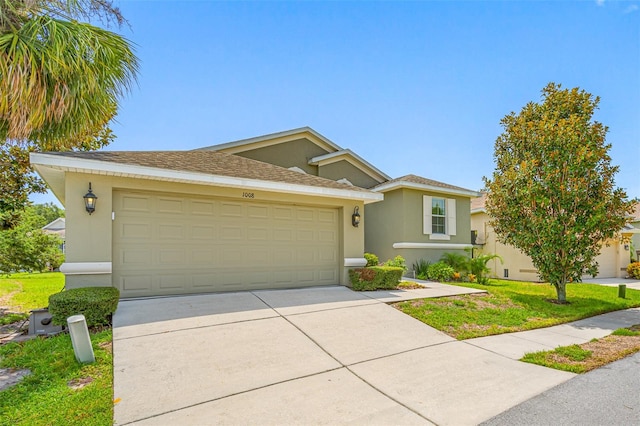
(439, 217)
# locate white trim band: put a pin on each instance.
(431, 246)
(85, 268)
(355, 262)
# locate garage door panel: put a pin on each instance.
(305, 215)
(327, 255)
(328, 217)
(136, 283)
(328, 236)
(172, 256)
(231, 210)
(281, 234)
(171, 205)
(327, 275)
(307, 276)
(257, 212)
(305, 235)
(258, 234)
(283, 277)
(170, 244)
(134, 231)
(283, 257)
(305, 257)
(171, 231)
(140, 257)
(202, 208)
(202, 232)
(203, 257)
(259, 257)
(231, 233)
(173, 282)
(283, 213)
(204, 282)
(135, 203)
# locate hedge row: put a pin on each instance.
(375, 278)
(97, 304)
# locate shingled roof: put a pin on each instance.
(211, 163)
(418, 181)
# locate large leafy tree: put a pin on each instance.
(25, 247)
(552, 194)
(60, 83)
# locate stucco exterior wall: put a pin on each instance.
(635, 241)
(89, 237)
(344, 169)
(295, 153)
(383, 221)
(518, 266)
(613, 258)
(399, 219)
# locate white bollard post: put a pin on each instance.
(80, 338)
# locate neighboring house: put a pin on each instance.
(274, 211)
(635, 240)
(612, 260)
(57, 227)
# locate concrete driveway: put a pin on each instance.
(324, 355)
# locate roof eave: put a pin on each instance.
(45, 163)
(422, 187)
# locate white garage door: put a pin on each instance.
(170, 244)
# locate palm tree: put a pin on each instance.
(60, 83)
(60, 78)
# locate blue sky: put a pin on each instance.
(412, 87)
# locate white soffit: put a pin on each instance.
(47, 164)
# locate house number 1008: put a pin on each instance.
(248, 195)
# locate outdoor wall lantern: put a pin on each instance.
(355, 217)
(90, 200)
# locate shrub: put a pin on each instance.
(633, 269)
(397, 262)
(459, 262)
(420, 267)
(375, 278)
(372, 259)
(97, 304)
(478, 266)
(440, 271)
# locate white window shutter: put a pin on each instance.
(451, 216)
(426, 214)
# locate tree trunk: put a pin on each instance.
(561, 290)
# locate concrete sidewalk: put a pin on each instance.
(614, 282)
(323, 355)
(515, 345)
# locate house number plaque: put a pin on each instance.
(248, 195)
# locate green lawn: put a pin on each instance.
(47, 396)
(591, 355)
(515, 306)
(30, 291)
(50, 394)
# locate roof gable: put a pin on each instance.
(352, 158)
(274, 139)
(424, 184)
(333, 152)
(56, 225)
